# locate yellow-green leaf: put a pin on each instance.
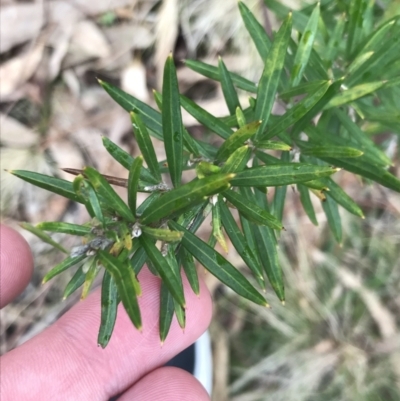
(269, 81)
(127, 285)
(305, 47)
(236, 140)
(184, 196)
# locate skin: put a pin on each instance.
(65, 363)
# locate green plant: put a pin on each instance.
(348, 90)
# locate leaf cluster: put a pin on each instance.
(334, 68)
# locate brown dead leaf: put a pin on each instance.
(88, 41)
(15, 134)
(17, 71)
(19, 23)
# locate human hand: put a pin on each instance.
(64, 362)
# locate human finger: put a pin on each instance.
(16, 264)
(166, 384)
(65, 359)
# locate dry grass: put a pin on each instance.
(338, 337)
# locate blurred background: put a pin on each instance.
(338, 337)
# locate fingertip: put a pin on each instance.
(166, 384)
(16, 264)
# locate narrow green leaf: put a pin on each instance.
(212, 72)
(354, 93)
(64, 265)
(246, 114)
(236, 140)
(316, 69)
(229, 91)
(274, 145)
(91, 274)
(147, 203)
(172, 122)
(344, 200)
(268, 84)
(138, 260)
(248, 232)
(378, 62)
(187, 218)
(240, 117)
(375, 173)
(127, 285)
(179, 310)
(216, 226)
(65, 228)
(266, 245)
(150, 117)
(318, 184)
(172, 280)
(180, 314)
(304, 48)
(122, 157)
(280, 193)
(332, 214)
(162, 234)
(204, 117)
(336, 39)
(237, 160)
(190, 270)
(252, 212)
(81, 191)
(364, 143)
(358, 62)
(158, 99)
(317, 108)
(42, 235)
(106, 190)
(332, 151)
(204, 209)
(133, 181)
(204, 169)
(217, 265)
(109, 306)
(304, 88)
(126, 160)
(256, 31)
(280, 174)
(307, 204)
(355, 24)
(166, 312)
(76, 281)
(52, 184)
(240, 243)
(300, 17)
(266, 158)
(94, 201)
(298, 111)
(184, 196)
(145, 145)
(377, 37)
